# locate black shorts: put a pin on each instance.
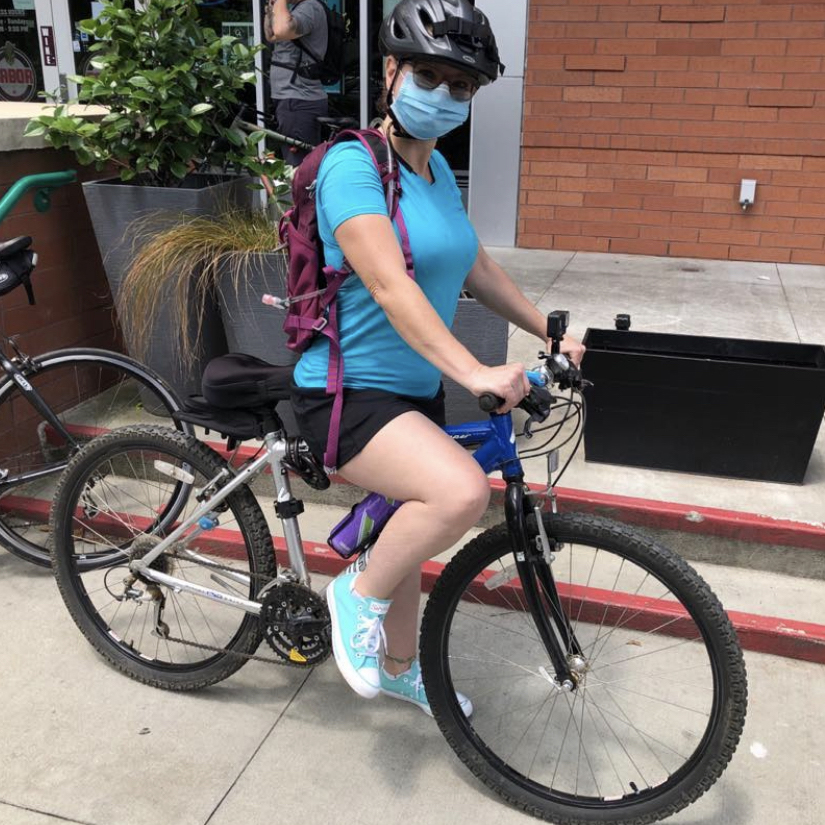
(365, 413)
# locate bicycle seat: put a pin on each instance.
(8, 249)
(338, 123)
(243, 382)
(239, 397)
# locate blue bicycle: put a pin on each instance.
(607, 681)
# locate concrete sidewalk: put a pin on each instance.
(84, 744)
(81, 743)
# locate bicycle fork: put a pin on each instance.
(536, 577)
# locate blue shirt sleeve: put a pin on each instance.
(348, 185)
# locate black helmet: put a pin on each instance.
(453, 31)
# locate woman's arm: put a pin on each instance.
(494, 288)
(370, 246)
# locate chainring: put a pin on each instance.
(295, 623)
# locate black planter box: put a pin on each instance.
(113, 206)
(716, 406)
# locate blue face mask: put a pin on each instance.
(427, 114)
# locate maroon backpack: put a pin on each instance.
(312, 287)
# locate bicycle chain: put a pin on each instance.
(249, 656)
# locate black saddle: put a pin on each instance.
(16, 264)
(8, 249)
(239, 397)
(239, 394)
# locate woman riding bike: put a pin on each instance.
(396, 341)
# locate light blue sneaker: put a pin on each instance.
(357, 634)
(409, 686)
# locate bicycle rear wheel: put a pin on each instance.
(661, 689)
(90, 391)
(113, 501)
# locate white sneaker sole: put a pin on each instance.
(352, 677)
(466, 705)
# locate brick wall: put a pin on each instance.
(74, 306)
(641, 118)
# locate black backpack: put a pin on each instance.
(329, 68)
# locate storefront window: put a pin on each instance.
(82, 10)
(21, 72)
(231, 17)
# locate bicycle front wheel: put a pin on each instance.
(660, 691)
(90, 391)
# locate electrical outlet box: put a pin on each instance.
(747, 192)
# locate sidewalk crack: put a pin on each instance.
(788, 303)
(556, 278)
(257, 750)
(51, 815)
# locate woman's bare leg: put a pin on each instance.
(445, 493)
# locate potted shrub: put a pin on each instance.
(171, 87)
(233, 257)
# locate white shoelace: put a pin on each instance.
(418, 687)
(369, 635)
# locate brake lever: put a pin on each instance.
(537, 403)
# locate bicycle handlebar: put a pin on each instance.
(557, 369)
(44, 183)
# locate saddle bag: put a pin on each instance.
(17, 262)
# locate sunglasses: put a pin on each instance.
(428, 77)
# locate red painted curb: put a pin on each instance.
(765, 634)
(663, 515)
(705, 521)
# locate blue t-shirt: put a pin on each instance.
(444, 247)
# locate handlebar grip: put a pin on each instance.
(489, 402)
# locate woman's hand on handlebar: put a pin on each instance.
(509, 382)
(572, 348)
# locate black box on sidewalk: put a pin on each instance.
(716, 406)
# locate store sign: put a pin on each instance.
(47, 45)
(18, 81)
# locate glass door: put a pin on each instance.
(28, 56)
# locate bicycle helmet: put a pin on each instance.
(453, 31)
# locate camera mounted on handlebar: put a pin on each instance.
(561, 371)
(557, 323)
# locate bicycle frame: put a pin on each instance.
(495, 445)
(13, 373)
(494, 439)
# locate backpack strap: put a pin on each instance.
(376, 143)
